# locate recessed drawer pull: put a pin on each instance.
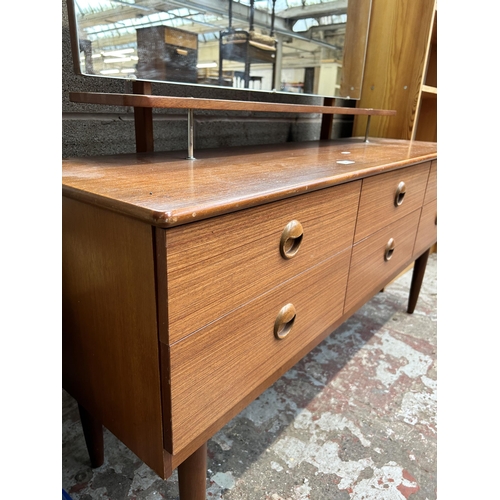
(389, 249)
(284, 321)
(436, 221)
(400, 194)
(291, 238)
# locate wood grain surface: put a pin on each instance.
(368, 267)
(426, 126)
(169, 102)
(427, 228)
(377, 207)
(431, 190)
(395, 61)
(214, 368)
(109, 332)
(146, 254)
(165, 189)
(219, 264)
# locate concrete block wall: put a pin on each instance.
(95, 130)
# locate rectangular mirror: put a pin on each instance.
(313, 47)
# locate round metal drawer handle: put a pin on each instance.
(389, 249)
(400, 194)
(284, 321)
(291, 238)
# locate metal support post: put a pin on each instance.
(367, 127)
(190, 135)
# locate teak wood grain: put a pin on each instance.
(368, 267)
(168, 102)
(161, 394)
(165, 189)
(221, 263)
(192, 475)
(211, 370)
(427, 228)
(377, 207)
(109, 332)
(431, 190)
(245, 400)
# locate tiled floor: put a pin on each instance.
(355, 419)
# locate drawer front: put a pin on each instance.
(380, 195)
(217, 265)
(427, 228)
(431, 191)
(216, 367)
(369, 267)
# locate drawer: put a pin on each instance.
(213, 369)
(427, 228)
(217, 265)
(431, 191)
(369, 267)
(387, 197)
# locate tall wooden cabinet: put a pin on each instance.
(401, 70)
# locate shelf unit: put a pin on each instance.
(401, 70)
(426, 127)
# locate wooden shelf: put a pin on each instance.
(143, 102)
(429, 92)
(151, 101)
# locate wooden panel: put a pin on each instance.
(426, 124)
(219, 264)
(395, 63)
(431, 190)
(427, 228)
(165, 189)
(377, 207)
(369, 269)
(431, 73)
(426, 129)
(110, 358)
(214, 368)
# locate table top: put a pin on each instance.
(165, 189)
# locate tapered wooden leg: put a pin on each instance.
(416, 280)
(193, 475)
(94, 439)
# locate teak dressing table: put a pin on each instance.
(191, 285)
